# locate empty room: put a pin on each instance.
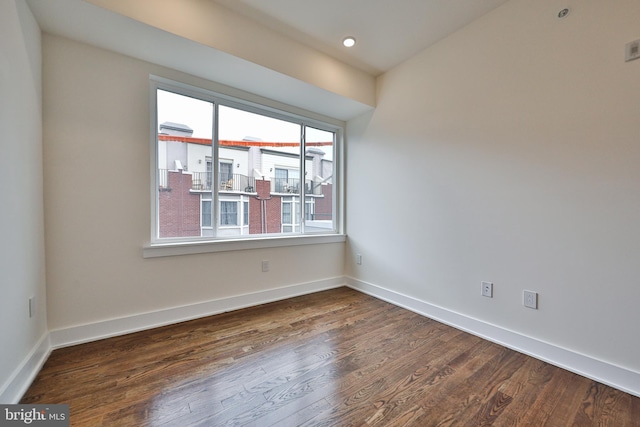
(320, 213)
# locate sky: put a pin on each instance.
(234, 124)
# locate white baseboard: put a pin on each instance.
(615, 376)
(18, 383)
(15, 387)
(606, 373)
(125, 325)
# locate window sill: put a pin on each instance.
(187, 248)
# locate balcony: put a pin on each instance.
(236, 183)
(284, 185)
(313, 187)
(292, 186)
(201, 181)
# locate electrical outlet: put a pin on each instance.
(531, 299)
(359, 259)
(265, 266)
(487, 289)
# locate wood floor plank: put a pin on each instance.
(466, 400)
(525, 386)
(453, 396)
(334, 358)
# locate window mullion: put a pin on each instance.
(336, 173)
(215, 184)
(303, 176)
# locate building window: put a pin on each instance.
(228, 168)
(226, 175)
(290, 214)
(209, 173)
(309, 208)
(287, 215)
(287, 181)
(281, 177)
(228, 213)
(206, 213)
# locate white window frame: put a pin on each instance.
(187, 245)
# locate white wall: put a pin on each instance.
(95, 233)
(237, 157)
(213, 25)
(516, 147)
(21, 216)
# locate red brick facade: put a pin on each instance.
(324, 205)
(265, 211)
(179, 209)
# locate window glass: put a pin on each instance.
(206, 213)
(228, 213)
(183, 146)
(319, 191)
(224, 170)
(265, 159)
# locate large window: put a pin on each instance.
(225, 168)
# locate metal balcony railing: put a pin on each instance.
(283, 185)
(238, 183)
(292, 186)
(313, 187)
(202, 181)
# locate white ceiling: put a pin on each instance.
(388, 31)
(87, 23)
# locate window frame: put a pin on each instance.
(269, 108)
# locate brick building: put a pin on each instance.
(258, 186)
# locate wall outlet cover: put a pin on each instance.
(487, 289)
(531, 299)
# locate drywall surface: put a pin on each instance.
(87, 23)
(21, 217)
(213, 25)
(509, 153)
(97, 200)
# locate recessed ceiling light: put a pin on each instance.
(349, 41)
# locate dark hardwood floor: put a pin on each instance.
(335, 358)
